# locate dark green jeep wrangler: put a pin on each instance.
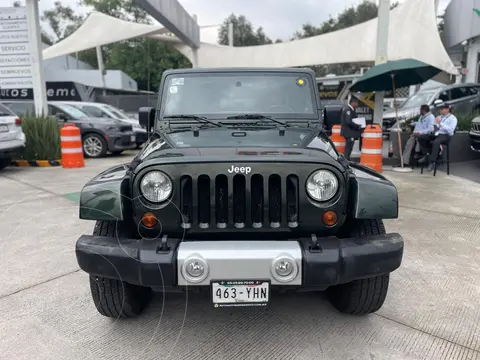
(238, 192)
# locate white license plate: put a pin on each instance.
(132, 138)
(3, 128)
(231, 293)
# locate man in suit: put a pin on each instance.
(349, 130)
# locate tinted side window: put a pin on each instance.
(458, 93)
(473, 90)
(22, 109)
(444, 96)
(93, 111)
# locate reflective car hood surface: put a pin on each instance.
(312, 149)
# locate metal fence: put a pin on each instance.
(129, 103)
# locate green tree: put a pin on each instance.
(244, 33)
(62, 20)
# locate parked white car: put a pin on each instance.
(12, 138)
(100, 110)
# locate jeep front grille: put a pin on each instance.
(239, 201)
(475, 127)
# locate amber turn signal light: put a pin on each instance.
(149, 220)
(329, 218)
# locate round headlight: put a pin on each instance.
(322, 185)
(156, 186)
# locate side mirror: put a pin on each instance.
(146, 118)
(62, 116)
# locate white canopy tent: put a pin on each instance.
(413, 34)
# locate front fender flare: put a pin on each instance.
(372, 196)
(106, 196)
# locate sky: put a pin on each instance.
(279, 18)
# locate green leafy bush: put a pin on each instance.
(42, 138)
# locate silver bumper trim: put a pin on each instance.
(240, 260)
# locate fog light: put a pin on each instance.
(195, 269)
(329, 218)
(149, 220)
(284, 269)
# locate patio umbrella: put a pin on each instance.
(392, 75)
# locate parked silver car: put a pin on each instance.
(464, 99)
(12, 138)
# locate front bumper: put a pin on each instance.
(121, 141)
(158, 263)
(11, 149)
(474, 141)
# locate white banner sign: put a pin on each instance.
(15, 71)
(15, 58)
(13, 37)
(16, 83)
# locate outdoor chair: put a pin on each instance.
(443, 158)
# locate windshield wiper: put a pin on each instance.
(258, 116)
(201, 119)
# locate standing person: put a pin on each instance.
(350, 131)
(424, 126)
(444, 126)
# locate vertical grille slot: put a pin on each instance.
(186, 201)
(203, 186)
(257, 200)
(221, 201)
(275, 200)
(239, 199)
(292, 201)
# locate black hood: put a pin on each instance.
(220, 145)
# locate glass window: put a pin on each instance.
(444, 96)
(22, 109)
(4, 111)
(72, 111)
(94, 111)
(218, 95)
(118, 113)
(418, 99)
(473, 90)
(458, 93)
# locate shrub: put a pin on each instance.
(42, 138)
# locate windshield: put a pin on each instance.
(4, 111)
(119, 114)
(72, 111)
(418, 99)
(218, 95)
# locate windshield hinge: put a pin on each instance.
(196, 132)
(281, 131)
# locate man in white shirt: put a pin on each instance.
(444, 127)
(423, 126)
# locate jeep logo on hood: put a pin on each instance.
(240, 170)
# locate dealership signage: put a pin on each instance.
(331, 91)
(56, 91)
(15, 59)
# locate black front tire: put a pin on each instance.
(363, 296)
(4, 163)
(116, 298)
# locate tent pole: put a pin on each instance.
(396, 118)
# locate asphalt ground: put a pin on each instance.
(432, 309)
